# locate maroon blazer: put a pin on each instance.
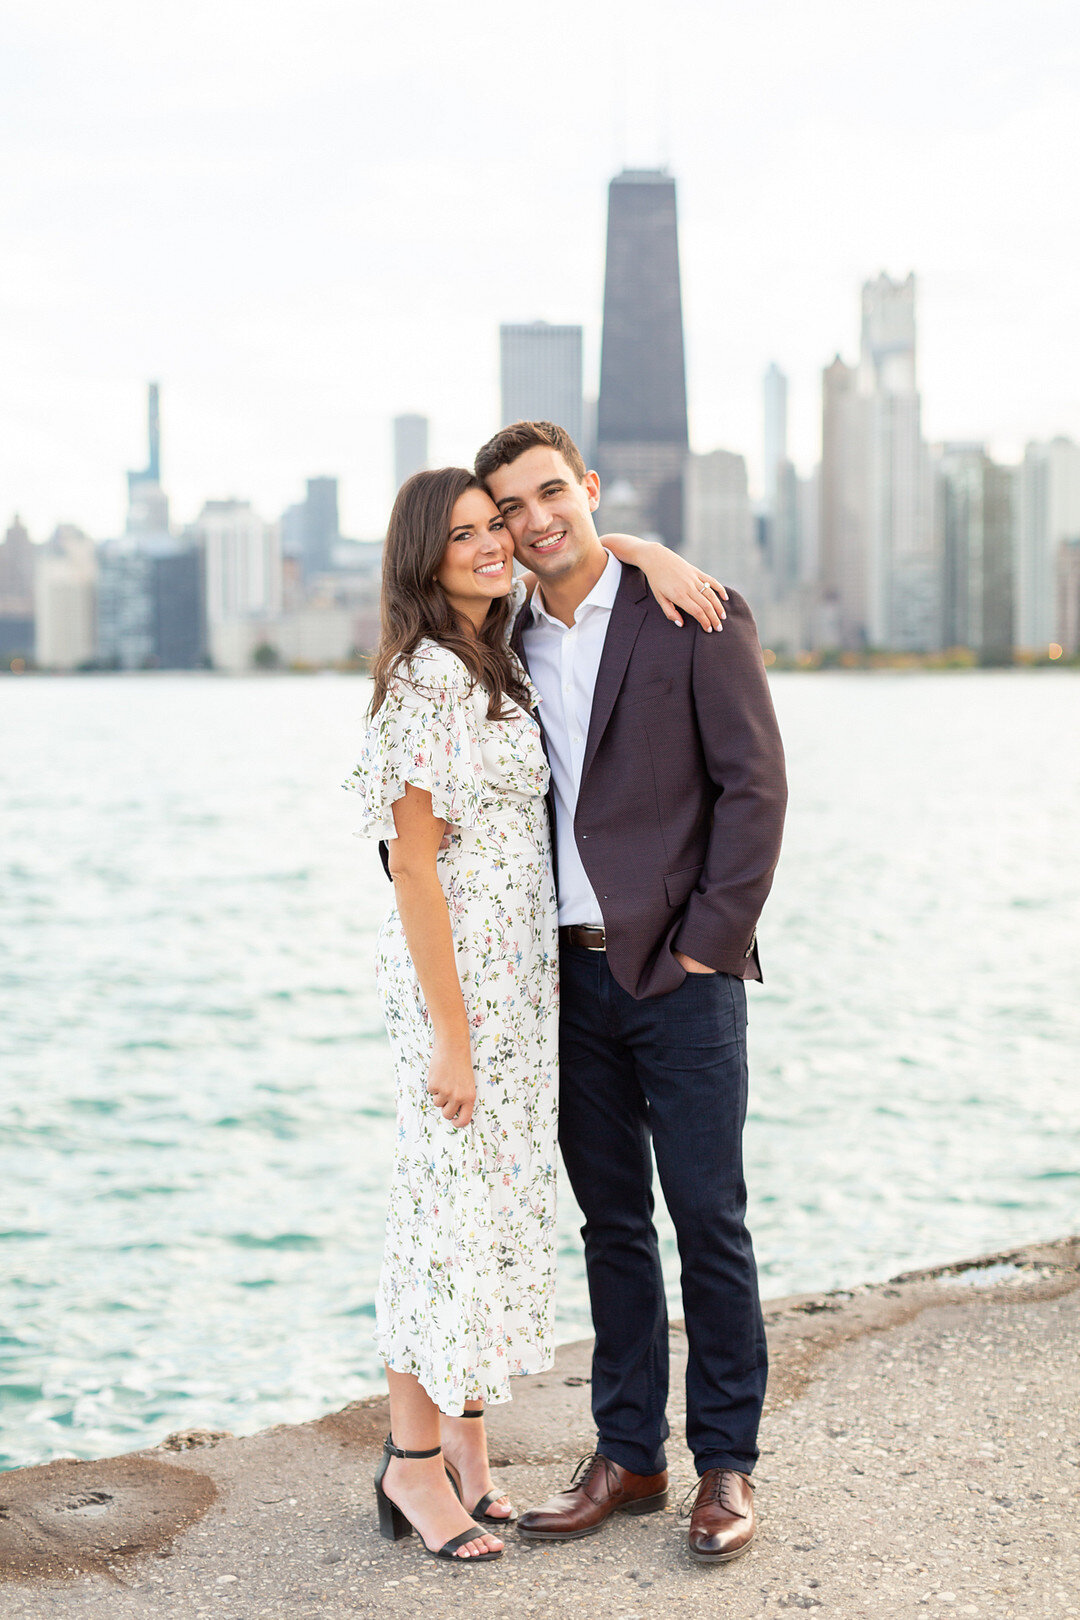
(682, 798)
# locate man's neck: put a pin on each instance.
(563, 596)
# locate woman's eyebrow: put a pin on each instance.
(462, 528)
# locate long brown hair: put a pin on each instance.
(414, 604)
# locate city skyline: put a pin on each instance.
(304, 264)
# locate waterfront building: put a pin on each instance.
(321, 530)
(641, 432)
(903, 595)
(1068, 598)
(148, 505)
(1049, 515)
(842, 506)
(65, 600)
(775, 394)
(976, 517)
(540, 372)
(242, 561)
(125, 605)
(410, 446)
(720, 534)
(16, 593)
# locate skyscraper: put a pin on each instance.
(781, 487)
(641, 435)
(321, 527)
(976, 518)
(540, 374)
(148, 506)
(410, 446)
(903, 602)
(842, 496)
(774, 389)
(1049, 515)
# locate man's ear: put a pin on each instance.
(592, 485)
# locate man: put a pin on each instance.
(668, 802)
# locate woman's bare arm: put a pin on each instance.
(426, 921)
(674, 582)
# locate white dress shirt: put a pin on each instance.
(563, 664)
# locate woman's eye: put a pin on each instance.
(497, 525)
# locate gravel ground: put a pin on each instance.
(926, 1468)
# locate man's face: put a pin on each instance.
(548, 513)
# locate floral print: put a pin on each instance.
(466, 1294)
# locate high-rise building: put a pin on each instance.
(780, 487)
(242, 563)
(16, 593)
(720, 535)
(125, 605)
(774, 390)
(842, 497)
(1049, 515)
(321, 530)
(976, 516)
(641, 432)
(541, 377)
(410, 446)
(1068, 597)
(148, 505)
(903, 598)
(65, 601)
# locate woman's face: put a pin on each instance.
(477, 565)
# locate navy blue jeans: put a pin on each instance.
(670, 1070)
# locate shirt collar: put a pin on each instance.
(601, 596)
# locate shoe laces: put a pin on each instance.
(587, 1469)
(715, 1494)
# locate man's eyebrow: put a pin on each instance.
(552, 483)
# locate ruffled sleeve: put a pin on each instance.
(427, 732)
(519, 597)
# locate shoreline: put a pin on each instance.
(72, 1529)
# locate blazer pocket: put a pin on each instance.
(680, 885)
(651, 689)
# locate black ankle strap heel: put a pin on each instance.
(394, 1526)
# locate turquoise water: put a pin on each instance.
(196, 1091)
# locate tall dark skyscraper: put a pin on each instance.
(642, 440)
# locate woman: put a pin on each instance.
(454, 776)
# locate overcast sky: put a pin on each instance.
(303, 218)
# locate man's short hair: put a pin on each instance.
(513, 441)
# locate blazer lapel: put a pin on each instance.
(627, 618)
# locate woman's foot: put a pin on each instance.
(465, 1449)
(420, 1488)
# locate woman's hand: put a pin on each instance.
(451, 1081)
(673, 581)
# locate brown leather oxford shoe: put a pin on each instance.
(722, 1523)
(598, 1489)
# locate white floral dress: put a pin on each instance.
(466, 1294)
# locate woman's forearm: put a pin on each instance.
(629, 548)
(426, 923)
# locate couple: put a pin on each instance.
(572, 787)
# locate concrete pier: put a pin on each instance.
(920, 1457)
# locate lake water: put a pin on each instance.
(196, 1090)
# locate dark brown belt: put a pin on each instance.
(585, 935)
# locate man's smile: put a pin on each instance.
(548, 542)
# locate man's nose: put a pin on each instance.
(536, 520)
